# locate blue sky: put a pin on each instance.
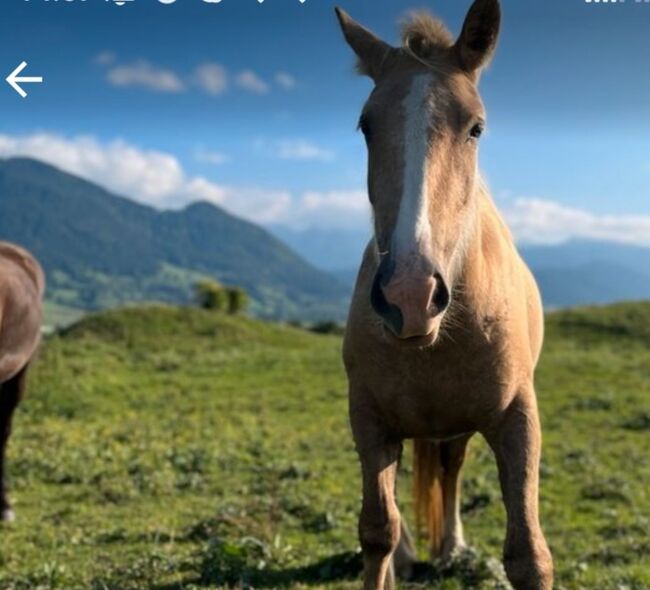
(254, 106)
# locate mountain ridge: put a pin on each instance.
(100, 249)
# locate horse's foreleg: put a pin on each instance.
(10, 395)
(516, 442)
(453, 456)
(405, 555)
(379, 523)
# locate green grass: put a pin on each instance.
(168, 449)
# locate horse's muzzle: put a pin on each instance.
(410, 305)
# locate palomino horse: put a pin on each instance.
(446, 324)
(21, 290)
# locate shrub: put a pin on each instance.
(328, 328)
(211, 295)
(237, 300)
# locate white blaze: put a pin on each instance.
(412, 226)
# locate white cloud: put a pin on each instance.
(285, 80)
(157, 178)
(201, 189)
(149, 176)
(211, 157)
(145, 75)
(105, 58)
(293, 149)
(302, 150)
(331, 209)
(211, 78)
(335, 209)
(546, 222)
(259, 205)
(250, 81)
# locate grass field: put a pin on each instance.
(170, 449)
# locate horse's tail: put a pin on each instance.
(427, 491)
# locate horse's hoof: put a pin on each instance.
(7, 515)
(453, 552)
(422, 572)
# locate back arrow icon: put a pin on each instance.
(13, 79)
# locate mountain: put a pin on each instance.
(99, 249)
(584, 272)
(576, 253)
(591, 284)
(329, 249)
(580, 272)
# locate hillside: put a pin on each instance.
(590, 272)
(163, 448)
(100, 250)
(329, 249)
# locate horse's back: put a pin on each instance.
(22, 284)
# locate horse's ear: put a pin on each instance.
(478, 39)
(370, 50)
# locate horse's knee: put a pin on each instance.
(379, 534)
(532, 571)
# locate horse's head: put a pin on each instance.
(422, 125)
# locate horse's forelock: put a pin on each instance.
(425, 36)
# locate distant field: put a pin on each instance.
(57, 316)
(175, 449)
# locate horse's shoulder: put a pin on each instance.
(518, 295)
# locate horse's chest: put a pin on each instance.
(441, 393)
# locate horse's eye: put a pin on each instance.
(477, 131)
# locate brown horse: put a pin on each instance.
(21, 289)
(446, 323)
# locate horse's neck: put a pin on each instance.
(489, 259)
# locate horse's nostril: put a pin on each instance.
(440, 299)
(391, 313)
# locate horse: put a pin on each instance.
(22, 285)
(446, 322)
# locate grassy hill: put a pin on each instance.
(100, 250)
(164, 448)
